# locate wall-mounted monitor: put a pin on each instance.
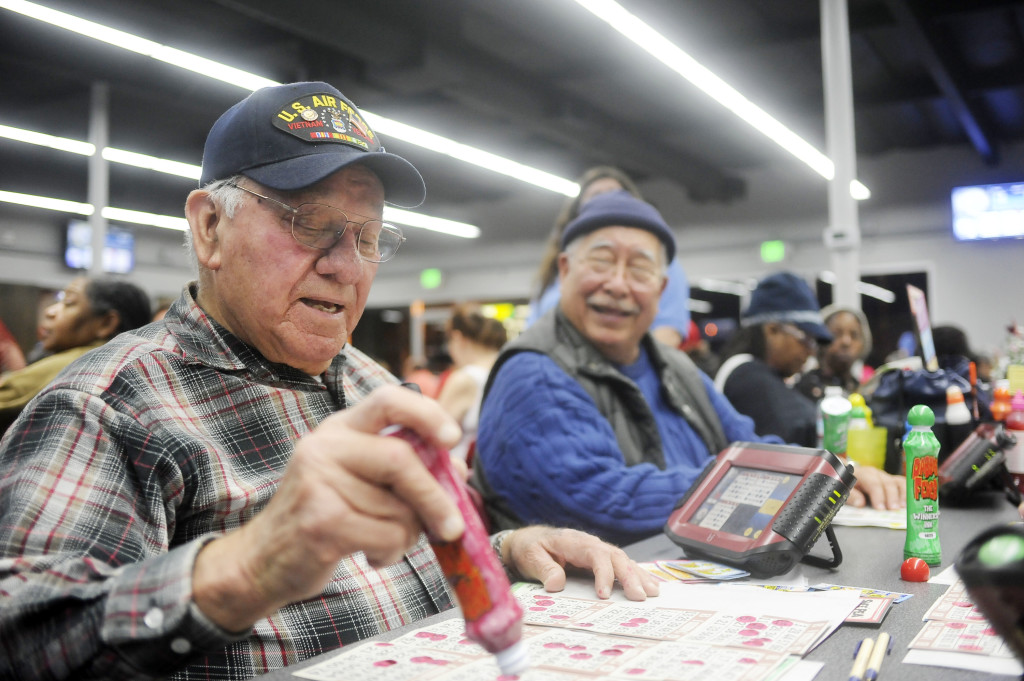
(988, 211)
(118, 251)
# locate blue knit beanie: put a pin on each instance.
(619, 209)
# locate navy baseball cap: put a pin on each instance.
(291, 136)
(786, 298)
(619, 209)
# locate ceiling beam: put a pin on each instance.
(912, 24)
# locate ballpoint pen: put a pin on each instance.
(860, 659)
(882, 647)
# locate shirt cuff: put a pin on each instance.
(152, 621)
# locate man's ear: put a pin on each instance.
(563, 265)
(204, 218)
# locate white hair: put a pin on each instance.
(223, 194)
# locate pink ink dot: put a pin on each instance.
(537, 609)
(585, 624)
(640, 620)
(554, 645)
(546, 601)
(581, 656)
(748, 632)
(747, 660)
(424, 634)
(746, 618)
(964, 604)
(628, 624)
(384, 644)
(956, 625)
(438, 637)
(384, 663)
(753, 642)
(988, 632)
(611, 651)
(973, 649)
(634, 671)
(559, 617)
(420, 659)
(782, 623)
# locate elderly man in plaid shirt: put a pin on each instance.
(209, 497)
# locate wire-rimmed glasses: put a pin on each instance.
(320, 226)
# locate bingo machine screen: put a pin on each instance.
(744, 501)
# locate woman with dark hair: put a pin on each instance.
(671, 326)
(840, 362)
(87, 314)
(473, 343)
(781, 328)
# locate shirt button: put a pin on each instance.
(181, 646)
(154, 618)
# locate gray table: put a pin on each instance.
(871, 558)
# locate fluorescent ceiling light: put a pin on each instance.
(114, 214)
(193, 172)
(47, 203)
(139, 218)
(862, 287)
(406, 217)
(59, 143)
(659, 47)
(252, 81)
(163, 165)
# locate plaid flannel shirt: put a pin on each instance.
(122, 469)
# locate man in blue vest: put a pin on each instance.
(589, 423)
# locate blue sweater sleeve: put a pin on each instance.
(673, 306)
(550, 453)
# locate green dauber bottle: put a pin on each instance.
(921, 449)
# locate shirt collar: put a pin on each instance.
(205, 341)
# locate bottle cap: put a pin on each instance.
(857, 400)
(921, 415)
(954, 395)
(857, 412)
(514, 660)
(833, 390)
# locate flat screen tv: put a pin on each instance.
(118, 252)
(988, 211)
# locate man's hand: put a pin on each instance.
(346, 489)
(542, 553)
(884, 491)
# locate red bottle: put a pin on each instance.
(1015, 427)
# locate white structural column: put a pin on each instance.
(842, 235)
(99, 172)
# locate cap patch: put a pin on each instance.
(323, 117)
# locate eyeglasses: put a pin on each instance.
(801, 336)
(640, 274)
(320, 226)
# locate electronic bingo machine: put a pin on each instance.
(761, 507)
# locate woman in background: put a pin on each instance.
(86, 315)
(841, 362)
(473, 343)
(781, 328)
(671, 326)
